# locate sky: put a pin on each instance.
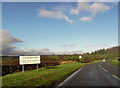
(36, 28)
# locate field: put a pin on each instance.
(115, 62)
(46, 77)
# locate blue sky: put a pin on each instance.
(58, 27)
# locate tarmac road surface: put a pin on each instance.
(96, 74)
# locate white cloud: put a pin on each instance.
(86, 18)
(59, 11)
(98, 7)
(58, 14)
(93, 8)
(74, 11)
(67, 19)
(50, 14)
(83, 6)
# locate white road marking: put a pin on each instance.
(107, 71)
(104, 69)
(81, 69)
(99, 65)
(116, 77)
(70, 76)
(109, 64)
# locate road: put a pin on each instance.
(96, 74)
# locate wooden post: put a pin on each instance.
(37, 67)
(23, 68)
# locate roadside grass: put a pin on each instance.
(46, 77)
(115, 62)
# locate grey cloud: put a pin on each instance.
(33, 52)
(69, 45)
(7, 38)
(69, 52)
(9, 50)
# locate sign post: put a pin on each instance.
(37, 67)
(23, 68)
(29, 60)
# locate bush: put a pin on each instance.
(87, 58)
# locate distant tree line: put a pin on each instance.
(10, 64)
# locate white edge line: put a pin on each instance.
(109, 64)
(99, 65)
(116, 77)
(104, 69)
(107, 71)
(70, 76)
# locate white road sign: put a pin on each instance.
(80, 56)
(29, 60)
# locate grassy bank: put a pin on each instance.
(115, 62)
(44, 77)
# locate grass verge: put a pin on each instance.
(46, 77)
(115, 62)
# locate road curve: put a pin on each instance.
(92, 75)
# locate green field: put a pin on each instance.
(115, 62)
(48, 76)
